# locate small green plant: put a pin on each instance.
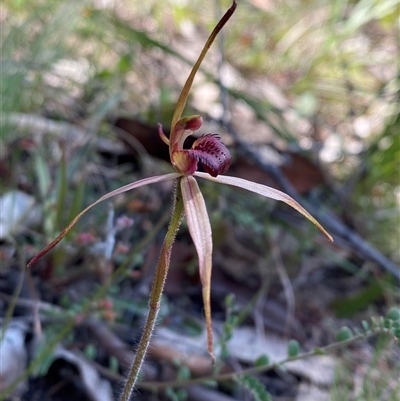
(377, 327)
(344, 334)
(377, 380)
(256, 387)
(188, 201)
(293, 348)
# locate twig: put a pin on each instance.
(261, 369)
(114, 346)
(74, 134)
(31, 304)
(200, 393)
(286, 284)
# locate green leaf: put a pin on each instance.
(228, 331)
(48, 358)
(262, 360)
(387, 323)
(183, 373)
(176, 394)
(346, 307)
(113, 364)
(365, 325)
(43, 175)
(393, 314)
(344, 334)
(210, 383)
(125, 64)
(229, 300)
(256, 387)
(90, 351)
(182, 394)
(62, 189)
(319, 351)
(293, 348)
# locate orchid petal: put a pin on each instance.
(118, 191)
(184, 161)
(188, 84)
(162, 135)
(264, 191)
(200, 231)
(183, 129)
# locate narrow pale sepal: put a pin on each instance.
(118, 191)
(188, 84)
(266, 191)
(200, 231)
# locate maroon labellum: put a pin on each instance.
(212, 153)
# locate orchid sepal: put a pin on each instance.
(267, 192)
(125, 188)
(162, 135)
(180, 105)
(200, 230)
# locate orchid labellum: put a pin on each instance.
(212, 154)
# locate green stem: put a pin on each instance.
(13, 299)
(156, 293)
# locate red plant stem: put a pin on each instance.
(156, 293)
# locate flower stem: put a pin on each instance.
(156, 293)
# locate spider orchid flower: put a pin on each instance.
(215, 159)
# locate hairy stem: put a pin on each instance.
(156, 293)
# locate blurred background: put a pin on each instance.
(306, 96)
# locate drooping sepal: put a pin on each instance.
(200, 231)
(109, 195)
